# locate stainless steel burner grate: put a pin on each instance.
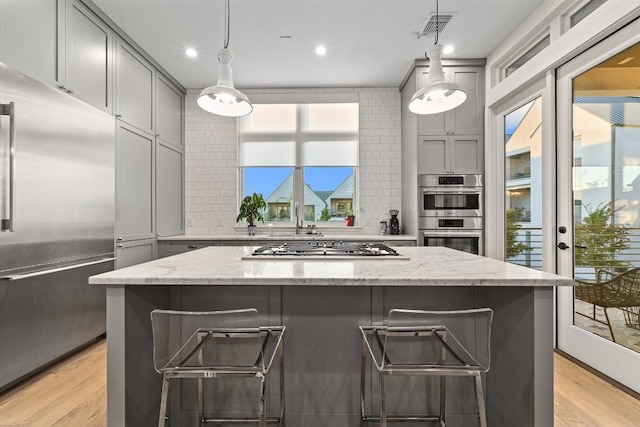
(325, 248)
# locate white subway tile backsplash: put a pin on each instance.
(211, 160)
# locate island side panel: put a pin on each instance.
(229, 398)
(420, 395)
(323, 353)
(520, 382)
(133, 387)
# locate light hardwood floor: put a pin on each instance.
(72, 393)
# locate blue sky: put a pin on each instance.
(266, 180)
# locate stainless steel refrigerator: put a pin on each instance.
(57, 214)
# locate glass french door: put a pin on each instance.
(598, 229)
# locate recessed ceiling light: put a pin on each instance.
(191, 53)
(321, 50)
(448, 49)
(625, 60)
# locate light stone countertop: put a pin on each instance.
(279, 236)
(425, 266)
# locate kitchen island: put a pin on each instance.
(322, 302)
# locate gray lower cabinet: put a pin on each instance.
(135, 199)
(31, 26)
(169, 189)
(135, 252)
(135, 78)
(166, 249)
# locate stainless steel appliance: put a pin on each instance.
(326, 248)
(450, 195)
(57, 178)
(394, 224)
(451, 209)
(464, 233)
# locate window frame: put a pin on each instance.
(300, 137)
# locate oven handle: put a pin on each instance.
(440, 190)
(451, 233)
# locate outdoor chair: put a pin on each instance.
(216, 345)
(611, 290)
(427, 343)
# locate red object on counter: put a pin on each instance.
(349, 220)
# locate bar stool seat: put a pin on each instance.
(213, 345)
(427, 343)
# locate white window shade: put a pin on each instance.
(267, 153)
(271, 118)
(332, 117)
(329, 153)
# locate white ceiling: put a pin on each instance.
(369, 42)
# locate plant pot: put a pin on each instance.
(251, 229)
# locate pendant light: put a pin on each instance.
(437, 95)
(224, 99)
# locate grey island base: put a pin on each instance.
(322, 303)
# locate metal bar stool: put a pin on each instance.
(214, 345)
(427, 343)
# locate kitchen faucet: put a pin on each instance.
(298, 223)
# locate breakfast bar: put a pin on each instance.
(322, 301)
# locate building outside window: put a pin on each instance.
(301, 156)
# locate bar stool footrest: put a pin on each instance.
(406, 418)
(272, 420)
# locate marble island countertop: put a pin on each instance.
(425, 266)
(279, 236)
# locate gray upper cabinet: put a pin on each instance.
(135, 199)
(468, 118)
(169, 190)
(135, 78)
(88, 57)
(460, 154)
(452, 142)
(169, 112)
(62, 43)
(31, 26)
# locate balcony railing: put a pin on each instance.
(532, 257)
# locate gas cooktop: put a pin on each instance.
(325, 249)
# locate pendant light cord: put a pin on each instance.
(226, 23)
(437, 22)
(426, 54)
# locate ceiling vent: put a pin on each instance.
(434, 24)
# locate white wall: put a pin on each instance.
(211, 172)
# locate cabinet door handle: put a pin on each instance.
(118, 116)
(192, 246)
(69, 91)
(61, 87)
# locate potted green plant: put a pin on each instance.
(251, 210)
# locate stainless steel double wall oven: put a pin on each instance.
(451, 209)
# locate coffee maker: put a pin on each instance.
(394, 224)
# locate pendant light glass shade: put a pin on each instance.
(224, 99)
(436, 96)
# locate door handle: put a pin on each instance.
(7, 224)
(563, 246)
